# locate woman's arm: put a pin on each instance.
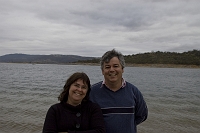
(50, 125)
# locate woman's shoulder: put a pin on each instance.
(56, 106)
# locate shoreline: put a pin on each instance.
(126, 65)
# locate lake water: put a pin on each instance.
(27, 91)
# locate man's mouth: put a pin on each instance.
(112, 74)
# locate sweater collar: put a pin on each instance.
(123, 83)
(70, 107)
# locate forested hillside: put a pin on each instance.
(185, 58)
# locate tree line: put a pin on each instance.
(185, 58)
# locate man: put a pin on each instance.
(121, 102)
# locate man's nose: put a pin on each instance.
(111, 68)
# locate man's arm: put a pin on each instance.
(141, 110)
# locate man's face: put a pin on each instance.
(112, 71)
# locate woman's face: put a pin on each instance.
(77, 92)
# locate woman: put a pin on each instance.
(75, 113)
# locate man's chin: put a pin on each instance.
(112, 80)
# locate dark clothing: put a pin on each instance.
(84, 118)
(123, 109)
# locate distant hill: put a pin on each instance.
(49, 59)
(185, 58)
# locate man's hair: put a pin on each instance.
(109, 55)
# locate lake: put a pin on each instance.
(28, 90)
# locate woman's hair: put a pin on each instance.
(63, 97)
(109, 55)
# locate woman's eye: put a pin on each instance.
(83, 87)
(76, 85)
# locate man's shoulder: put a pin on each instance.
(128, 84)
(133, 88)
(96, 85)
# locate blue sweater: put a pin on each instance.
(122, 110)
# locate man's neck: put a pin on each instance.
(114, 86)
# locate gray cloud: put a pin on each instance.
(91, 27)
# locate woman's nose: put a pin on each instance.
(79, 88)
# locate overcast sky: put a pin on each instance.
(91, 27)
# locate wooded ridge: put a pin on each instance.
(186, 58)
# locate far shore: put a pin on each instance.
(127, 65)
